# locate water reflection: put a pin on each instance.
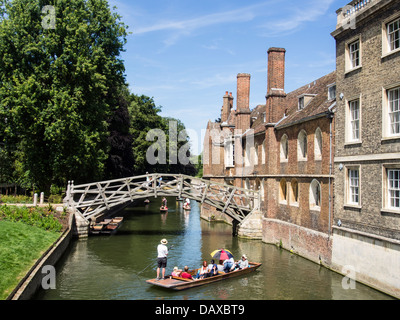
(116, 266)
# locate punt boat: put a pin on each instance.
(178, 283)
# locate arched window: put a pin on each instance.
(283, 191)
(284, 148)
(318, 144)
(315, 195)
(302, 146)
(294, 192)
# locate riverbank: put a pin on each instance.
(26, 234)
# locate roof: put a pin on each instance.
(318, 105)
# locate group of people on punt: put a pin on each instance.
(212, 269)
(206, 270)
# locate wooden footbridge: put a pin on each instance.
(91, 200)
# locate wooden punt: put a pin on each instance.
(117, 219)
(164, 209)
(178, 283)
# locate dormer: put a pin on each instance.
(332, 91)
(304, 100)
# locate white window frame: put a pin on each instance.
(387, 35)
(394, 111)
(387, 124)
(353, 186)
(229, 147)
(352, 121)
(393, 35)
(391, 188)
(351, 54)
(393, 179)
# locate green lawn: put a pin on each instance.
(20, 246)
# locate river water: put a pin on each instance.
(115, 267)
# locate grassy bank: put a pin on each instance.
(25, 234)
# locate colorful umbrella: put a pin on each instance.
(221, 254)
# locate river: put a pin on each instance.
(115, 267)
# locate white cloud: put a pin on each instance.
(297, 14)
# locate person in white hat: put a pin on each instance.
(244, 263)
(162, 254)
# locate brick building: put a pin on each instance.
(284, 149)
(367, 153)
(326, 156)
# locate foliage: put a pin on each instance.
(58, 87)
(38, 217)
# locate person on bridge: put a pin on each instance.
(162, 254)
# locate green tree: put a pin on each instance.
(59, 86)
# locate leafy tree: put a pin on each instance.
(59, 86)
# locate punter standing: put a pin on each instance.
(162, 252)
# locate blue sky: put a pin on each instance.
(186, 54)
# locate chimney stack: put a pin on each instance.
(276, 70)
(243, 92)
(226, 107)
(276, 84)
(243, 102)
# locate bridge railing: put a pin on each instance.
(92, 199)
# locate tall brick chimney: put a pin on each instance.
(226, 107)
(243, 101)
(276, 84)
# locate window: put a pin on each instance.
(284, 148)
(315, 195)
(394, 111)
(353, 186)
(318, 144)
(283, 191)
(294, 192)
(393, 35)
(332, 92)
(353, 134)
(354, 51)
(301, 103)
(229, 153)
(393, 178)
(302, 146)
(264, 116)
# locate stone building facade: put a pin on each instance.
(367, 154)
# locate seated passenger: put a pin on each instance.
(212, 269)
(243, 263)
(202, 272)
(177, 272)
(185, 273)
(229, 265)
